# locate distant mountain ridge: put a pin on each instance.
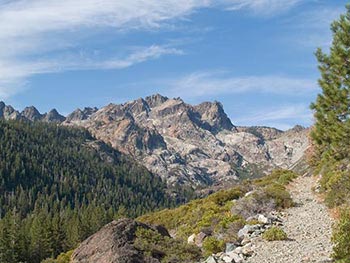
(7, 112)
(182, 143)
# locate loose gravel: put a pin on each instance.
(308, 226)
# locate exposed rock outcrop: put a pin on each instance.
(114, 244)
(196, 145)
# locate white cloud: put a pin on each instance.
(202, 84)
(263, 7)
(35, 33)
(282, 117)
(313, 27)
(14, 74)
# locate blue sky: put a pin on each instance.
(254, 56)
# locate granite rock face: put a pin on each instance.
(114, 244)
(195, 145)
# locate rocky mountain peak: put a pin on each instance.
(31, 113)
(53, 116)
(155, 100)
(7, 112)
(213, 113)
(195, 145)
(80, 115)
(297, 128)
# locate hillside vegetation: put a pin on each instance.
(222, 214)
(59, 185)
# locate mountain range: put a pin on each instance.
(196, 145)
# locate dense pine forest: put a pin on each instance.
(59, 185)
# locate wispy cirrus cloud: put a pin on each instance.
(264, 7)
(313, 27)
(200, 84)
(36, 34)
(280, 117)
(14, 74)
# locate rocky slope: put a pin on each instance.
(197, 145)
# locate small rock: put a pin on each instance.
(238, 250)
(247, 249)
(249, 193)
(191, 238)
(247, 229)
(245, 241)
(229, 247)
(227, 259)
(199, 239)
(263, 219)
(211, 259)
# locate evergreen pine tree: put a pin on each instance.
(331, 133)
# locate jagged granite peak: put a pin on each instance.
(80, 115)
(194, 145)
(53, 116)
(155, 100)
(7, 112)
(213, 113)
(31, 113)
(114, 243)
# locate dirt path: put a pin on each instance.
(308, 226)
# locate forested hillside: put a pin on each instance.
(59, 185)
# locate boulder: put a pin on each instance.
(114, 244)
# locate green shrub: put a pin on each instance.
(211, 212)
(275, 234)
(221, 197)
(62, 258)
(212, 245)
(164, 248)
(279, 194)
(279, 176)
(341, 237)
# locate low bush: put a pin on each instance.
(164, 248)
(279, 176)
(275, 234)
(279, 194)
(212, 245)
(257, 203)
(341, 237)
(212, 212)
(264, 200)
(62, 258)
